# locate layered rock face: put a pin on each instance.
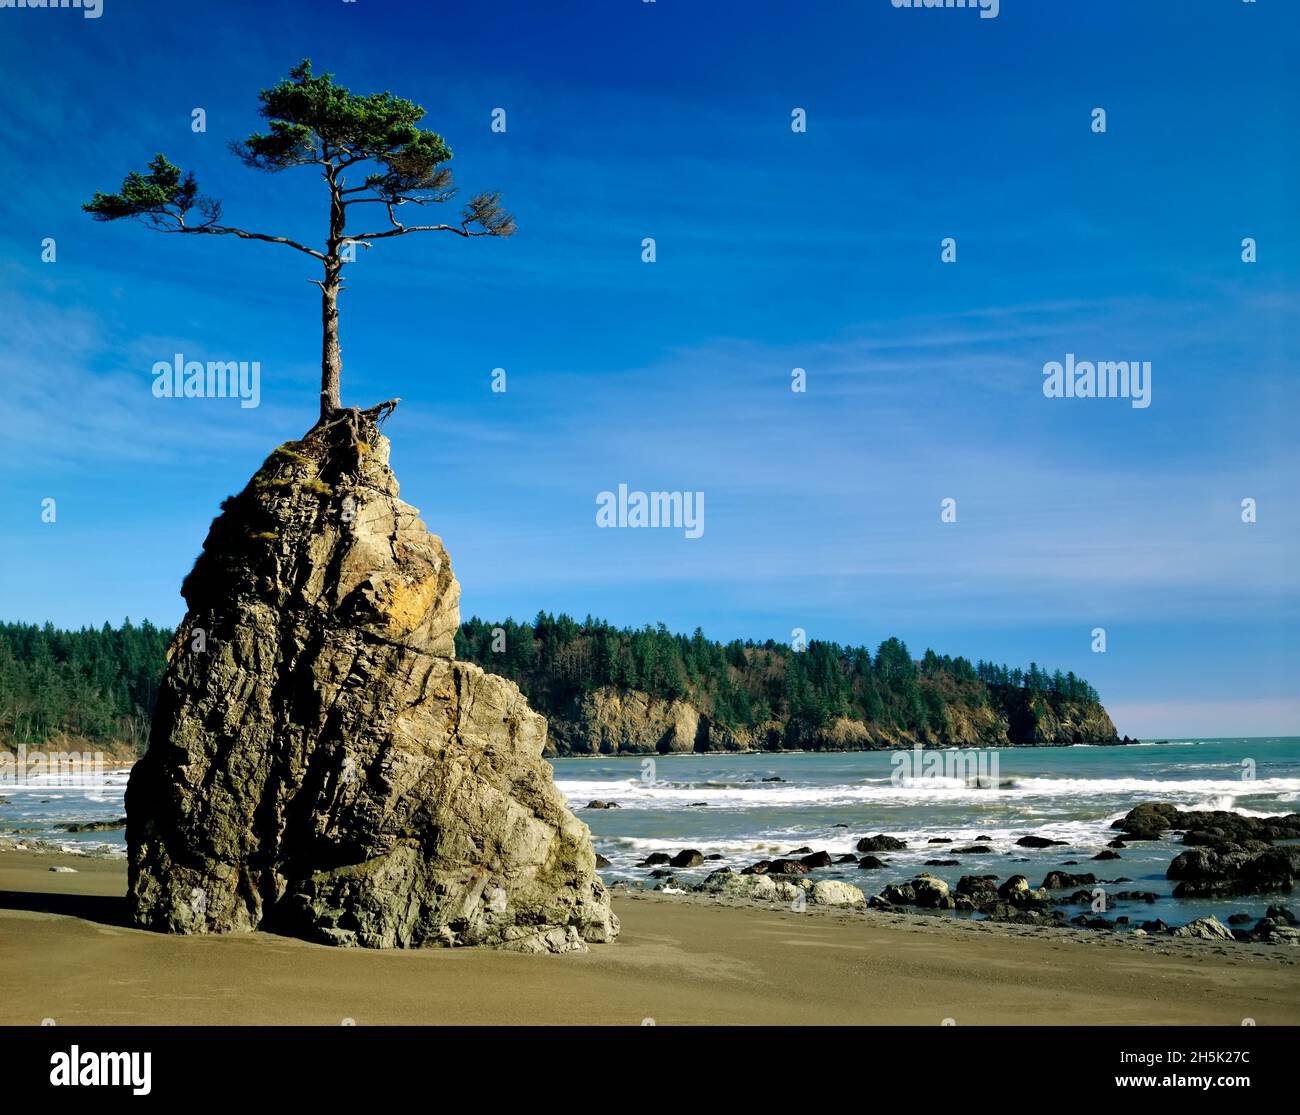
(319, 763)
(616, 721)
(611, 721)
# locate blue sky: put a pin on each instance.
(775, 250)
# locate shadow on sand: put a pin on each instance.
(101, 908)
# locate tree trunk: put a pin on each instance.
(331, 356)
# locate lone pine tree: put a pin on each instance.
(316, 123)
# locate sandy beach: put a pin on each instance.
(66, 954)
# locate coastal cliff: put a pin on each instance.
(608, 690)
(613, 721)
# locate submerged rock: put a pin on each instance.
(1212, 828)
(1063, 880)
(1234, 869)
(320, 764)
(982, 888)
(95, 826)
(881, 843)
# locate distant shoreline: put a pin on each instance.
(114, 757)
(750, 753)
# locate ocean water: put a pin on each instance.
(36, 808)
(721, 805)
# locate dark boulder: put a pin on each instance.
(1039, 842)
(1209, 828)
(979, 887)
(1233, 869)
(1061, 880)
(881, 843)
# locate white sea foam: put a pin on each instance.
(1226, 803)
(633, 793)
(1080, 837)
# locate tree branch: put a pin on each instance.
(221, 230)
(402, 230)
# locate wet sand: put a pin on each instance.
(66, 954)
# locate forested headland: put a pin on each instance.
(770, 695)
(607, 688)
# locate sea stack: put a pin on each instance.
(319, 764)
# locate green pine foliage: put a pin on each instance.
(101, 684)
(746, 684)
